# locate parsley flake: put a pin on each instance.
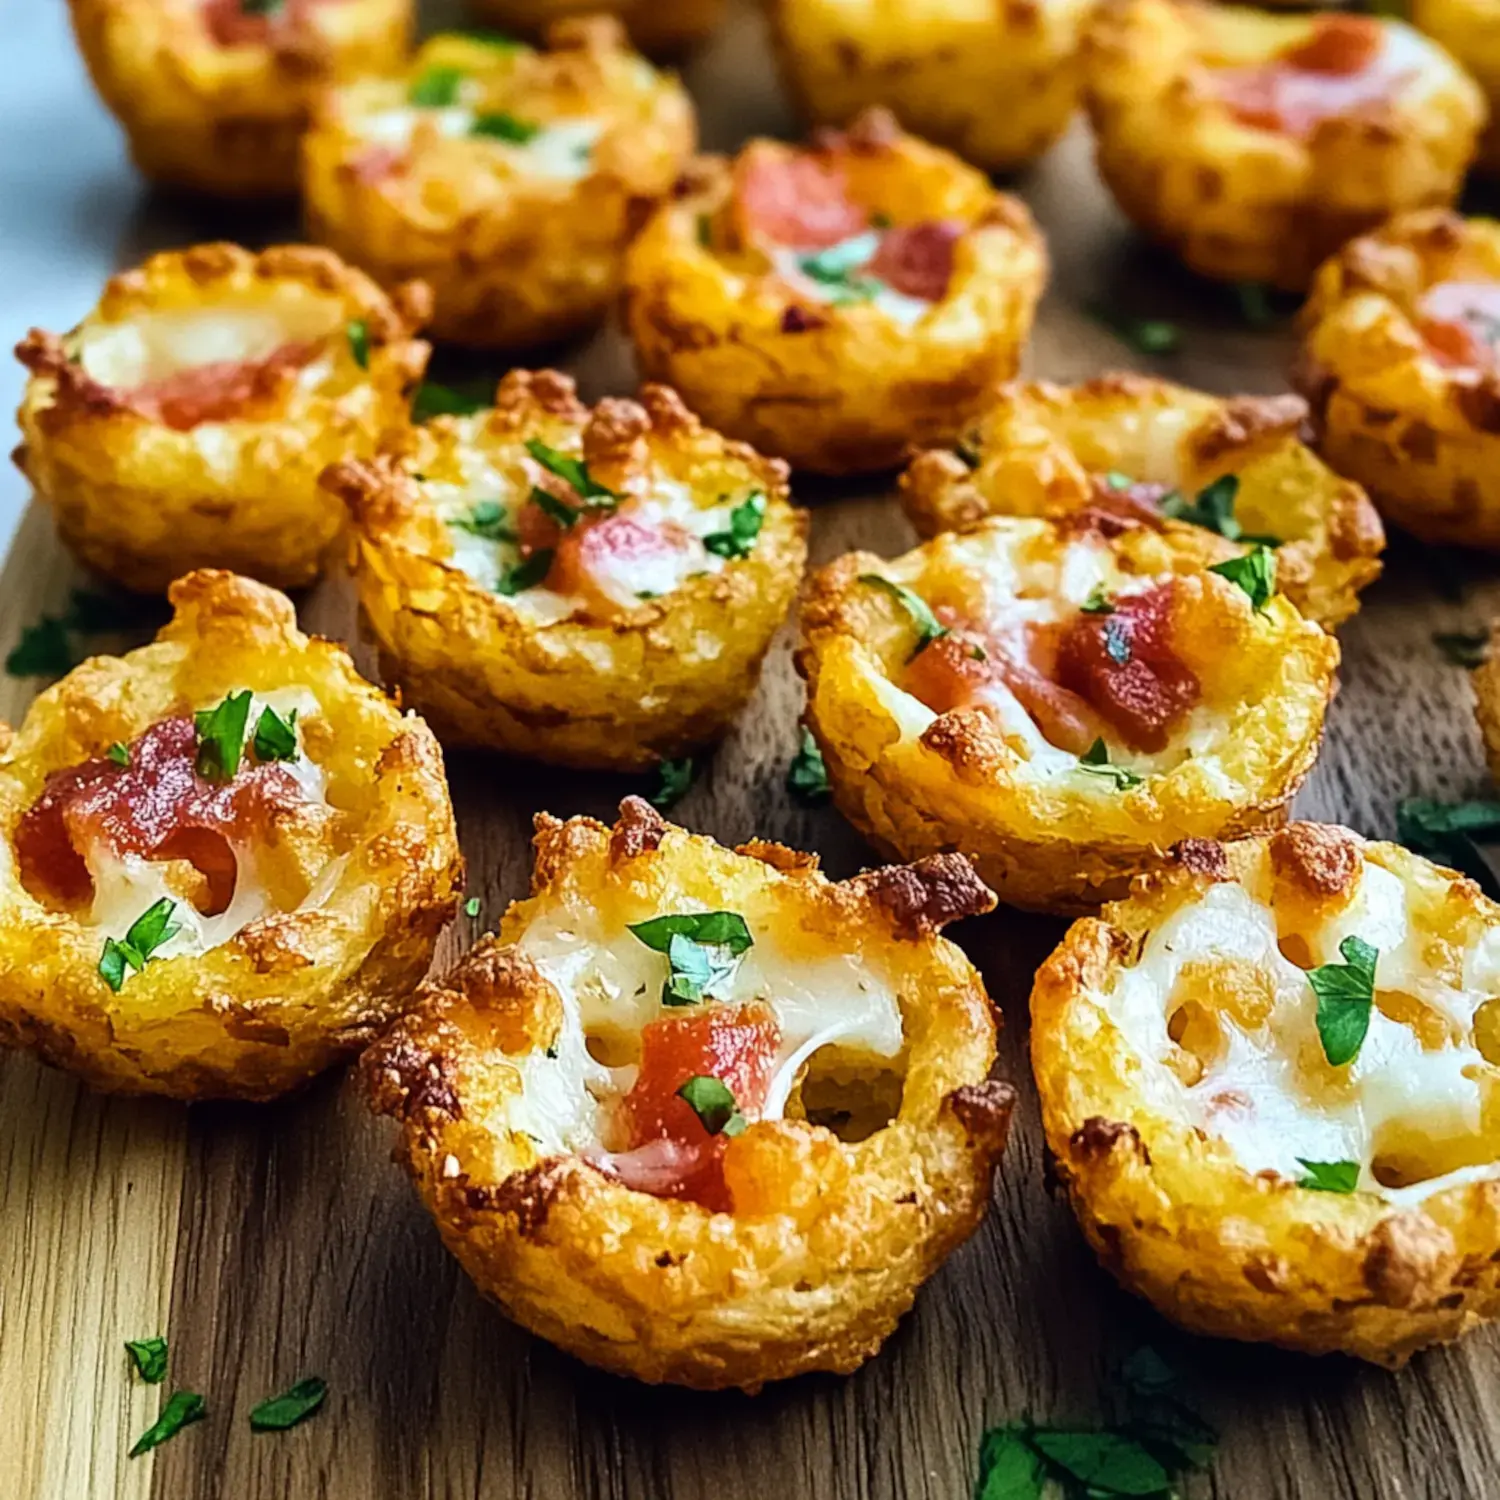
(435, 400)
(146, 934)
(1098, 602)
(119, 753)
(292, 1406)
(702, 948)
(1446, 831)
(673, 778)
(43, 650)
(486, 519)
(526, 574)
(149, 1356)
(1111, 1462)
(1118, 481)
(572, 470)
(713, 1101)
(1212, 508)
(807, 776)
(834, 268)
(928, 627)
(275, 737)
(745, 521)
(1095, 760)
(1144, 335)
(471, 907)
(1255, 573)
(1464, 648)
(1346, 995)
(359, 342)
(1009, 1467)
(501, 126)
(221, 737)
(1329, 1176)
(183, 1408)
(436, 88)
(559, 510)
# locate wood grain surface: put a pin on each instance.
(275, 1242)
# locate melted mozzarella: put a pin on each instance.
(1260, 1098)
(610, 984)
(562, 151)
(126, 886)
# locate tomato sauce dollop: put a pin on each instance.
(1330, 73)
(156, 807)
(673, 1153)
(220, 391)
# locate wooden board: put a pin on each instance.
(276, 1242)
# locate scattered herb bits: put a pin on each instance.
(1095, 760)
(927, 625)
(807, 776)
(505, 127)
(436, 400)
(147, 933)
(745, 521)
(183, 1408)
(294, 1405)
(275, 737)
(471, 907)
(436, 88)
(1144, 335)
(713, 1102)
(1254, 573)
(221, 737)
(1464, 648)
(1346, 995)
(573, 470)
(359, 342)
(526, 574)
(1329, 1176)
(673, 778)
(149, 1356)
(702, 948)
(118, 753)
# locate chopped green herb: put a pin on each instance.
(1118, 481)
(1009, 1467)
(807, 776)
(702, 951)
(928, 626)
(1464, 648)
(1346, 995)
(275, 737)
(1098, 602)
(182, 1409)
(969, 450)
(119, 753)
(359, 342)
(149, 1357)
(1117, 641)
(834, 269)
(487, 519)
(1255, 304)
(978, 653)
(1329, 1176)
(745, 521)
(1145, 335)
(1108, 1462)
(147, 933)
(704, 228)
(44, 650)
(1147, 1374)
(526, 574)
(713, 1102)
(1212, 507)
(673, 778)
(292, 1406)
(559, 510)
(221, 737)
(501, 126)
(573, 470)
(724, 929)
(1446, 831)
(1173, 1431)
(436, 88)
(471, 907)
(435, 400)
(1255, 573)
(1095, 760)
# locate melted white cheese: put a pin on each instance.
(858, 250)
(1262, 1099)
(610, 984)
(126, 886)
(561, 151)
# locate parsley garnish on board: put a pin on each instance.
(149, 1356)
(1255, 573)
(745, 521)
(1346, 995)
(147, 933)
(673, 778)
(713, 1101)
(221, 737)
(1329, 1176)
(46, 648)
(1255, 303)
(436, 88)
(702, 948)
(927, 625)
(572, 470)
(292, 1406)
(359, 342)
(471, 907)
(275, 737)
(1446, 831)
(1464, 648)
(1095, 760)
(1144, 335)
(501, 126)
(807, 776)
(182, 1409)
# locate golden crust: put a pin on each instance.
(1170, 1208)
(1241, 203)
(228, 119)
(940, 67)
(655, 26)
(1038, 447)
(1468, 30)
(914, 783)
(515, 256)
(662, 678)
(830, 1239)
(297, 989)
(835, 389)
(1422, 436)
(142, 502)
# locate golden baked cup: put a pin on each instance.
(1142, 448)
(700, 1115)
(655, 26)
(1254, 145)
(1269, 1081)
(1062, 699)
(833, 303)
(214, 96)
(225, 858)
(1469, 30)
(1400, 363)
(995, 83)
(185, 421)
(590, 587)
(510, 180)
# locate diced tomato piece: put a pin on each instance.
(737, 1045)
(947, 673)
(156, 807)
(1136, 501)
(610, 559)
(1124, 665)
(1460, 323)
(917, 259)
(1065, 719)
(221, 391)
(797, 200)
(1340, 46)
